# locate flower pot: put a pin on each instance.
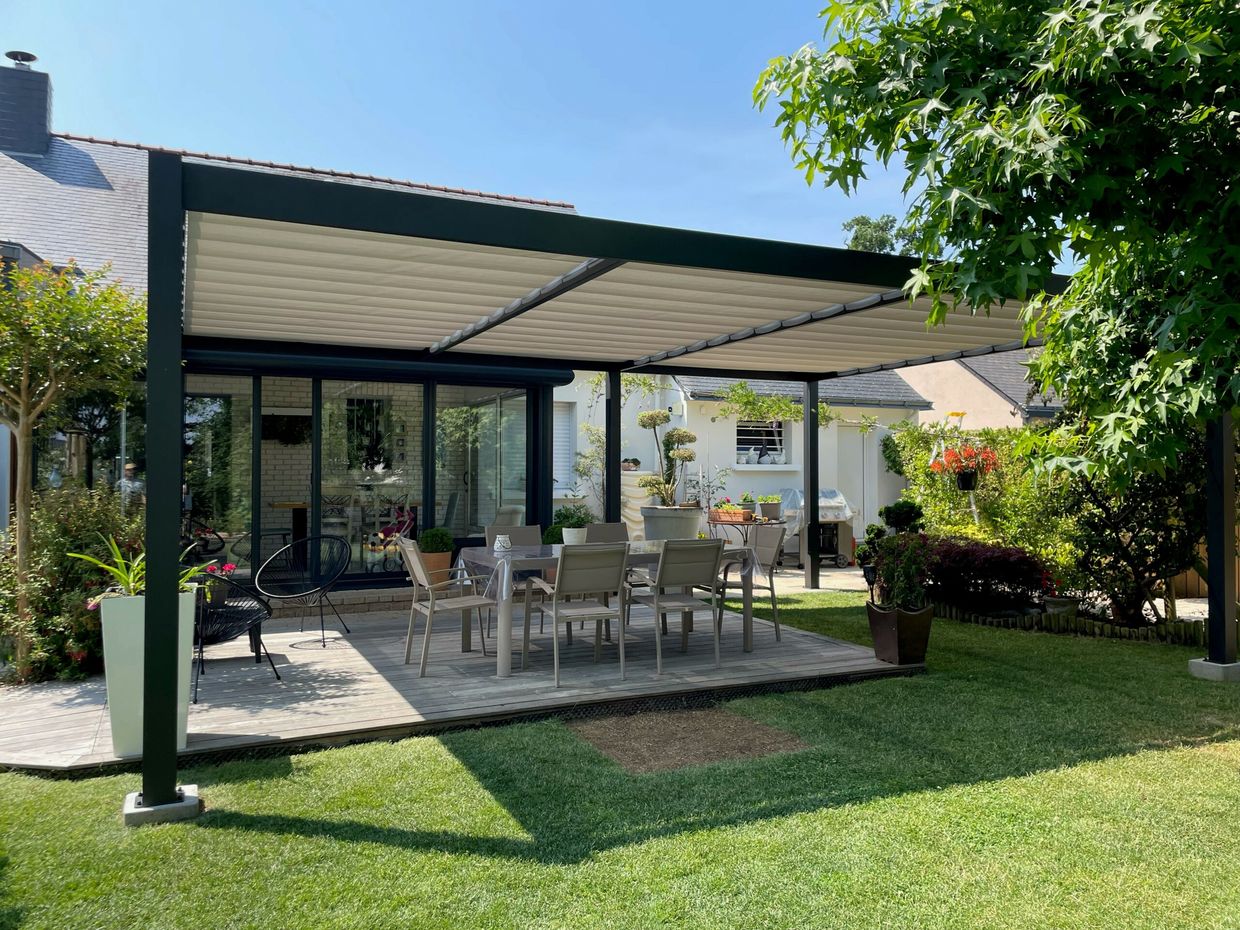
(574, 536)
(966, 480)
(671, 522)
(900, 636)
(750, 506)
(731, 516)
(437, 565)
(124, 649)
(770, 509)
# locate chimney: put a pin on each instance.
(25, 107)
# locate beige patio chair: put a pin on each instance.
(458, 593)
(685, 566)
(607, 533)
(510, 515)
(768, 543)
(586, 574)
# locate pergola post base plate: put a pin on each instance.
(187, 806)
(1214, 671)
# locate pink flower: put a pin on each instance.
(230, 567)
(212, 569)
(92, 604)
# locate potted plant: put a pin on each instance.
(725, 511)
(573, 520)
(967, 462)
(900, 620)
(748, 503)
(122, 608)
(769, 505)
(437, 545)
(665, 520)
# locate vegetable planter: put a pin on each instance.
(731, 516)
(124, 649)
(966, 480)
(770, 509)
(900, 636)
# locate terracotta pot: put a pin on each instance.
(966, 480)
(437, 565)
(731, 516)
(900, 636)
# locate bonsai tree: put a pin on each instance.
(673, 452)
(867, 552)
(902, 516)
(901, 563)
(60, 330)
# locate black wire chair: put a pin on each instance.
(200, 543)
(226, 610)
(243, 551)
(304, 572)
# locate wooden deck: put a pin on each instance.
(358, 687)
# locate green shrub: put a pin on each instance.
(903, 516)
(902, 564)
(436, 539)
(64, 634)
(554, 534)
(574, 516)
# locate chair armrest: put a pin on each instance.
(439, 585)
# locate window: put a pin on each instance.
(755, 438)
(565, 447)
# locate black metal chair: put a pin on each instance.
(226, 610)
(304, 572)
(243, 553)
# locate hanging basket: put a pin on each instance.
(966, 480)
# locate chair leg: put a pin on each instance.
(322, 625)
(555, 644)
(426, 645)
(658, 639)
(336, 612)
(413, 619)
(480, 636)
(198, 669)
(525, 637)
(620, 640)
(775, 614)
(270, 661)
(718, 625)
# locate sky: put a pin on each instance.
(634, 110)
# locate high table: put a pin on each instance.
(501, 566)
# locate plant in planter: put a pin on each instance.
(748, 503)
(437, 545)
(967, 462)
(900, 623)
(122, 606)
(572, 520)
(769, 504)
(666, 520)
(725, 511)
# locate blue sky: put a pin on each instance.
(635, 110)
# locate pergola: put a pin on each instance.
(354, 278)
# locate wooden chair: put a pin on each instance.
(585, 574)
(685, 566)
(769, 546)
(457, 593)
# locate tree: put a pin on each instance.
(61, 330)
(879, 235)
(1100, 128)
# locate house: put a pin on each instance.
(991, 390)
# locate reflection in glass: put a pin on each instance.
(480, 462)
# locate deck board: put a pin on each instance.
(359, 687)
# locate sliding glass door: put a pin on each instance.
(480, 458)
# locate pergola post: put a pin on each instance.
(1220, 661)
(809, 535)
(160, 798)
(612, 470)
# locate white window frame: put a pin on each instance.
(752, 433)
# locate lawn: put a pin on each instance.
(1027, 781)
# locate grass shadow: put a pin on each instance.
(996, 704)
(11, 915)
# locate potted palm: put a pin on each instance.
(122, 608)
(437, 545)
(665, 520)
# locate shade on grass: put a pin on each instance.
(1027, 781)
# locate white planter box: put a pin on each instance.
(124, 649)
(574, 536)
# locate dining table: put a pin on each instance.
(502, 566)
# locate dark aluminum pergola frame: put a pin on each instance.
(178, 186)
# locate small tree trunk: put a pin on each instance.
(22, 503)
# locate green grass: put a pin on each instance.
(1027, 781)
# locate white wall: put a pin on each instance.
(951, 387)
(848, 459)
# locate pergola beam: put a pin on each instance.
(802, 319)
(941, 357)
(585, 272)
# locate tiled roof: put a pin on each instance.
(86, 200)
(1007, 373)
(873, 389)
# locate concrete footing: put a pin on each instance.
(1214, 671)
(187, 806)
